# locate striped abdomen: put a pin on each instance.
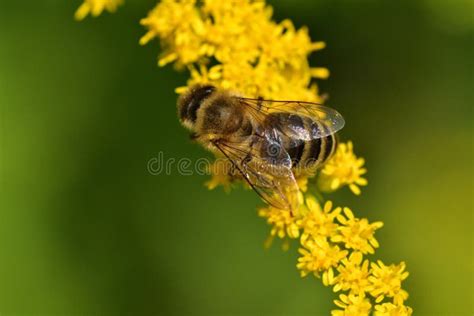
(309, 154)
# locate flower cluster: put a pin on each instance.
(332, 247)
(236, 45)
(343, 169)
(216, 42)
(96, 7)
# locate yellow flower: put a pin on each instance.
(235, 45)
(352, 305)
(282, 221)
(96, 7)
(353, 274)
(389, 309)
(318, 255)
(344, 168)
(387, 281)
(302, 183)
(181, 29)
(246, 47)
(356, 233)
(317, 222)
(220, 171)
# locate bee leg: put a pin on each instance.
(248, 157)
(244, 162)
(285, 199)
(260, 103)
(291, 212)
(193, 136)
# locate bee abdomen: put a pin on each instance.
(319, 150)
(310, 154)
(296, 131)
(296, 152)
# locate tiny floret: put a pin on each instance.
(387, 282)
(357, 234)
(220, 171)
(344, 168)
(389, 309)
(352, 305)
(282, 221)
(318, 255)
(96, 7)
(318, 222)
(353, 274)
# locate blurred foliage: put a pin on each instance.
(85, 229)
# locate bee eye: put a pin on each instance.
(191, 102)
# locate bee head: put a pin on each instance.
(190, 102)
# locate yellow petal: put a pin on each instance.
(319, 72)
(355, 189)
(82, 11)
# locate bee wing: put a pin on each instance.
(325, 120)
(269, 175)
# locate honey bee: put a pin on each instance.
(268, 142)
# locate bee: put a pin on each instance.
(268, 142)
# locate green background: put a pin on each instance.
(86, 230)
